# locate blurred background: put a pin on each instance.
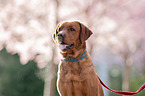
(29, 57)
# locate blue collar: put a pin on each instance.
(84, 55)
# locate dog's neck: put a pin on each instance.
(82, 56)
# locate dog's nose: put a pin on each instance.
(60, 35)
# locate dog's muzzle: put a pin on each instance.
(60, 37)
(62, 45)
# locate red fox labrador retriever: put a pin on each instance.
(76, 75)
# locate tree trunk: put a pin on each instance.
(47, 81)
(127, 73)
(53, 76)
(50, 77)
(51, 70)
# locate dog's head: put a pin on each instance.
(70, 35)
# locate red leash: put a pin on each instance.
(122, 92)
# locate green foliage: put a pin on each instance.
(136, 83)
(17, 79)
(115, 79)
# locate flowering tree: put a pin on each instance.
(26, 28)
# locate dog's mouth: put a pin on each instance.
(64, 47)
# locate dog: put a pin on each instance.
(76, 73)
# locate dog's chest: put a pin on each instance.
(69, 67)
(69, 71)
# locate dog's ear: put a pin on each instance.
(85, 33)
(54, 36)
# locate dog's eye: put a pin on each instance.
(72, 29)
(59, 29)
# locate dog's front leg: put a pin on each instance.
(65, 88)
